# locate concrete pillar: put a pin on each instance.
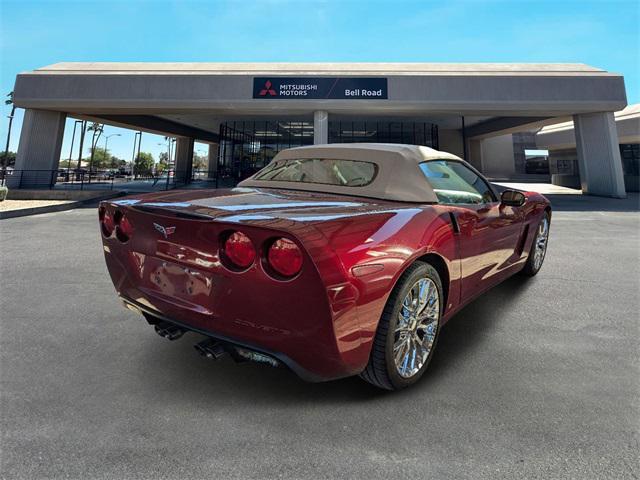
(212, 166)
(599, 155)
(497, 157)
(320, 127)
(39, 149)
(450, 140)
(474, 152)
(184, 159)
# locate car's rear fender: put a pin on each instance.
(376, 249)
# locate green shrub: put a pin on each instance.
(4, 191)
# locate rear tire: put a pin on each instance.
(410, 322)
(538, 249)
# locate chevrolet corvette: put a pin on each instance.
(333, 260)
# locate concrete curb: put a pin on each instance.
(24, 212)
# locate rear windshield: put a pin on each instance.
(327, 171)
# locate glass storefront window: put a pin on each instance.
(371, 131)
(246, 146)
(630, 154)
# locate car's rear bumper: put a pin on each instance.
(306, 321)
(303, 341)
(279, 356)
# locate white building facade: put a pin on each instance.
(249, 112)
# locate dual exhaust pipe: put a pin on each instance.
(211, 349)
(215, 349)
(169, 330)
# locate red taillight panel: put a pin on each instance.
(106, 222)
(124, 227)
(239, 249)
(284, 257)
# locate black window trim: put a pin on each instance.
(474, 170)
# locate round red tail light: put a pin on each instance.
(285, 257)
(124, 228)
(239, 250)
(106, 222)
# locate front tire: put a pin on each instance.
(408, 329)
(538, 247)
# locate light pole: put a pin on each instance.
(8, 101)
(106, 142)
(73, 138)
(5, 157)
(83, 131)
(133, 155)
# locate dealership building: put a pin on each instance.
(560, 141)
(247, 112)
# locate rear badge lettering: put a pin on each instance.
(263, 328)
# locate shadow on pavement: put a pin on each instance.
(567, 201)
(209, 381)
(590, 203)
(464, 332)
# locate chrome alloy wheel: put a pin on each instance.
(541, 240)
(417, 327)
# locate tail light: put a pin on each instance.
(285, 257)
(239, 249)
(106, 222)
(124, 227)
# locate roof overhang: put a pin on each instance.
(561, 136)
(536, 90)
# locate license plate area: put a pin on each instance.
(177, 281)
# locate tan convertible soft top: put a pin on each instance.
(399, 176)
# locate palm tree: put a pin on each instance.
(8, 101)
(97, 130)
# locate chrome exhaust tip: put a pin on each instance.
(169, 330)
(210, 348)
(245, 354)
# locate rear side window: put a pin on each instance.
(454, 183)
(327, 171)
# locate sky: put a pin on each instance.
(33, 34)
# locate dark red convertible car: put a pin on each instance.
(333, 260)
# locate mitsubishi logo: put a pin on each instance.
(165, 231)
(267, 89)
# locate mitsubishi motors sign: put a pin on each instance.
(305, 88)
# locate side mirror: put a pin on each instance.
(512, 198)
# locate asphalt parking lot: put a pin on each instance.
(539, 378)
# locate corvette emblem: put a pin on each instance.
(165, 231)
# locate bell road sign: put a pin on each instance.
(305, 88)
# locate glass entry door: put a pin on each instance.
(247, 146)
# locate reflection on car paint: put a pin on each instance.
(240, 208)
